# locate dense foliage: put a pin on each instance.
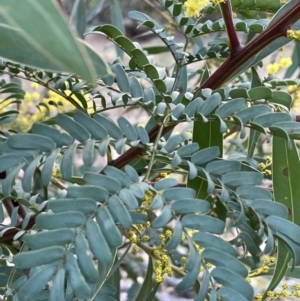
(198, 172)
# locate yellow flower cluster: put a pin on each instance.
(281, 293)
(147, 200)
(193, 7)
(263, 167)
(32, 110)
(293, 34)
(274, 68)
(294, 91)
(162, 266)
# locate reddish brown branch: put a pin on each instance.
(234, 43)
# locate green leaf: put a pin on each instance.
(84, 205)
(239, 178)
(176, 236)
(147, 285)
(230, 294)
(205, 155)
(51, 51)
(230, 107)
(66, 163)
(128, 199)
(165, 183)
(107, 225)
(163, 218)
(119, 210)
(75, 278)
(78, 18)
(285, 172)
(191, 275)
(98, 245)
(128, 129)
(270, 208)
(230, 279)
(109, 183)
(27, 260)
(132, 174)
(48, 167)
(96, 193)
(185, 206)
(70, 219)
(255, 192)
(223, 166)
(45, 239)
(221, 259)
(31, 141)
(74, 128)
(203, 222)
(96, 130)
(206, 135)
(112, 129)
(57, 291)
(36, 283)
(85, 261)
(118, 174)
(210, 104)
(117, 20)
(207, 240)
(178, 193)
(59, 138)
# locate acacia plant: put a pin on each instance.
(205, 186)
